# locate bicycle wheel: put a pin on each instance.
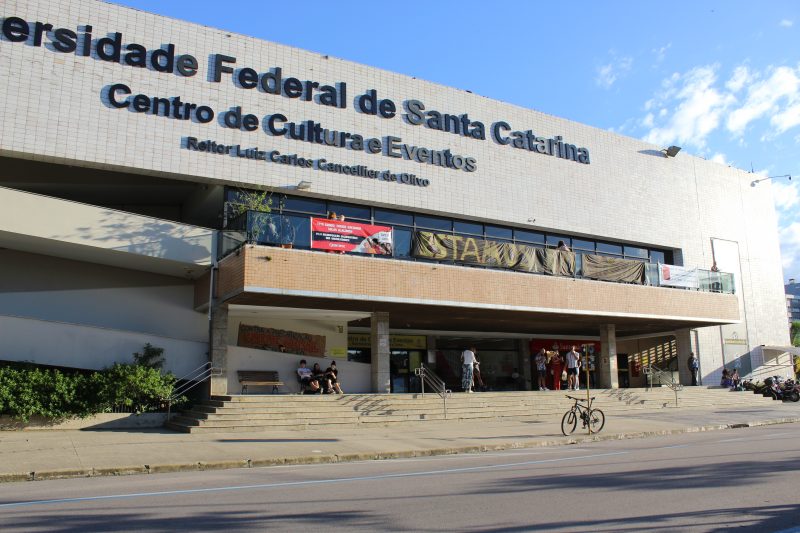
(596, 420)
(569, 422)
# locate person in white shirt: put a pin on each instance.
(306, 377)
(573, 363)
(541, 368)
(467, 362)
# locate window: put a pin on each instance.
(471, 228)
(350, 211)
(304, 205)
(428, 222)
(402, 242)
(387, 216)
(554, 239)
(533, 237)
(656, 256)
(495, 232)
(579, 244)
(633, 252)
(606, 248)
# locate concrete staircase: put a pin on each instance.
(260, 413)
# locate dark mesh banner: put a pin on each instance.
(496, 254)
(613, 269)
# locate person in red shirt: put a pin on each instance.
(556, 367)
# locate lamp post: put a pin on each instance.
(755, 182)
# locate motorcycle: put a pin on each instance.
(791, 390)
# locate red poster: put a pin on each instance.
(343, 236)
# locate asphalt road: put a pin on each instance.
(716, 481)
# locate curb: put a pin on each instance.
(11, 477)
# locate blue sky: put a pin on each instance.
(719, 78)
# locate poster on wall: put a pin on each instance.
(677, 276)
(262, 338)
(343, 236)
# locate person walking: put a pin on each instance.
(573, 363)
(694, 366)
(467, 364)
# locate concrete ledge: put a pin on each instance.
(98, 421)
(62, 474)
(369, 456)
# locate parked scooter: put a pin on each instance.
(791, 390)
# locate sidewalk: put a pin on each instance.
(39, 455)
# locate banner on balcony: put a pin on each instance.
(677, 276)
(613, 269)
(476, 251)
(342, 236)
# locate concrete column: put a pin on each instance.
(218, 348)
(686, 342)
(380, 353)
(607, 375)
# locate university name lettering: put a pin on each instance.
(274, 81)
(274, 156)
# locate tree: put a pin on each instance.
(795, 333)
(150, 357)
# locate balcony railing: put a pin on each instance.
(276, 229)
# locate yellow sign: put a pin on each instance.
(338, 352)
(398, 342)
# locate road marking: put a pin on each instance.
(310, 482)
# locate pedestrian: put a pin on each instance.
(467, 364)
(573, 363)
(541, 368)
(694, 366)
(556, 367)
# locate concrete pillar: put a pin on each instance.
(686, 342)
(607, 375)
(380, 353)
(218, 348)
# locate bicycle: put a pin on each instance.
(593, 419)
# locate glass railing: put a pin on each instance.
(290, 230)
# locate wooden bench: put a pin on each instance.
(259, 377)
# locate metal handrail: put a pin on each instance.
(651, 371)
(435, 383)
(191, 380)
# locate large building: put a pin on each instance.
(170, 183)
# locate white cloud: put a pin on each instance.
(790, 246)
(661, 53)
(719, 158)
(786, 23)
(608, 74)
(764, 98)
(785, 195)
(741, 77)
(697, 111)
(690, 106)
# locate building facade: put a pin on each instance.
(170, 183)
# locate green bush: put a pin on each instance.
(50, 393)
(28, 390)
(137, 387)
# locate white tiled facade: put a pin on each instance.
(52, 109)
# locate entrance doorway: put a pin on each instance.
(402, 364)
(623, 371)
